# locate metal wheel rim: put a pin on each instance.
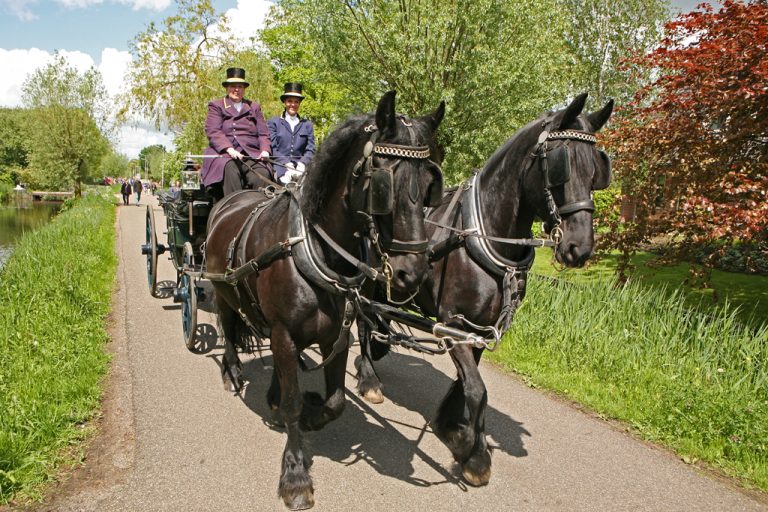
(151, 240)
(189, 302)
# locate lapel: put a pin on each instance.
(229, 107)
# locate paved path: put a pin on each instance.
(174, 440)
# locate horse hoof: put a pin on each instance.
(477, 470)
(233, 387)
(374, 396)
(303, 501)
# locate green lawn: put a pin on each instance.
(748, 293)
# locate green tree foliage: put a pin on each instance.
(601, 34)
(151, 159)
(179, 68)
(66, 125)
(13, 151)
(498, 64)
(115, 164)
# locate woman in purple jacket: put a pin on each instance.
(236, 129)
(292, 137)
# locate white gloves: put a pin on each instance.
(300, 167)
(264, 154)
(289, 167)
(290, 176)
(234, 153)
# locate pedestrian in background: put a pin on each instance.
(125, 190)
(137, 188)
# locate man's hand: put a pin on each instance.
(264, 155)
(234, 153)
(300, 167)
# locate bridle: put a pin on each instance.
(558, 174)
(371, 193)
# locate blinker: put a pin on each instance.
(380, 192)
(368, 149)
(603, 172)
(543, 136)
(558, 167)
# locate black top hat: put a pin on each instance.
(235, 76)
(292, 89)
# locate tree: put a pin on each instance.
(66, 125)
(150, 159)
(178, 69)
(115, 165)
(692, 146)
(602, 33)
(498, 64)
(13, 150)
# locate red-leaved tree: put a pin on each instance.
(691, 151)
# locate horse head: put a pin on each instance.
(391, 173)
(405, 178)
(566, 168)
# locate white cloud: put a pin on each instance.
(24, 62)
(154, 5)
(248, 17)
(79, 4)
(135, 138)
(113, 67)
(20, 9)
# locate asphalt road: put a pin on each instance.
(173, 440)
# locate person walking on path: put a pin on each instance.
(125, 190)
(292, 137)
(238, 135)
(138, 187)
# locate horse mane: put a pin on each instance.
(321, 171)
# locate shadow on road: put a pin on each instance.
(364, 433)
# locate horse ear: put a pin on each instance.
(598, 119)
(572, 111)
(385, 114)
(437, 116)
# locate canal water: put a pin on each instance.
(18, 218)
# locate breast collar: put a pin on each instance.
(477, 246)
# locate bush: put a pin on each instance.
(736, 256)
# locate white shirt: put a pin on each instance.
(292, 120)
(238, 106)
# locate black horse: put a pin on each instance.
(482, 250)
(286, 263)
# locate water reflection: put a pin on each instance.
(19, 217)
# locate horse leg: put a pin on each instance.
(316, 413)
(465, 437)
(368, 382)
(295, 486)
(231, 367)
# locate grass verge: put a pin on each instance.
(744, 292)
(55, 293)
(695, 382)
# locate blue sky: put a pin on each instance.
(97, 33)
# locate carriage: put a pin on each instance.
(282, 258)
(186, 215)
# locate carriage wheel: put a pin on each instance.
(188, 294)
(150, 249)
